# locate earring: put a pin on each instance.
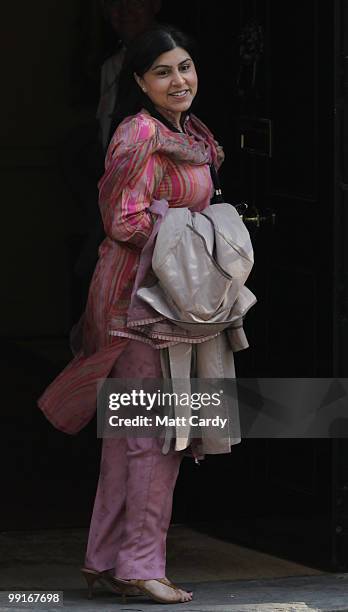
(144, 90)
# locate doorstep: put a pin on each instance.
(326, 593)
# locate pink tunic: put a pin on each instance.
(145, 161)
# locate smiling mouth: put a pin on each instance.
(180, 94)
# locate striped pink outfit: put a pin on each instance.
(145, 161)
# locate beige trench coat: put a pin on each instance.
(201, 261)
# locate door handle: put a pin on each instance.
(257, 218)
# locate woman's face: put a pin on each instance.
(171, 82)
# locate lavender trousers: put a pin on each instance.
(133, 504)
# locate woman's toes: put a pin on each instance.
(186, 594)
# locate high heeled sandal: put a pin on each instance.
(140, 584)
(116, 585)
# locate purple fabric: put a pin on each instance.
(132, 509)
(133, 504)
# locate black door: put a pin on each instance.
(268, 92)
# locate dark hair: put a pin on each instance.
(141, 54)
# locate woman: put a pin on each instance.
(158, 151)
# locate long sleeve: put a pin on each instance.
(133, 173)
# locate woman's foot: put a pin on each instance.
(180, 589)
(162, 590)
